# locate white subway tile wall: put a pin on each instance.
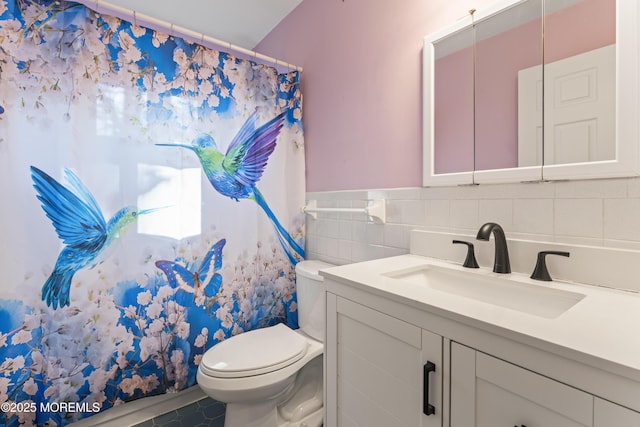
(603, 213)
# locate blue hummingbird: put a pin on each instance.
(236, 173)
(80, 225)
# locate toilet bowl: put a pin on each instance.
(272, 377)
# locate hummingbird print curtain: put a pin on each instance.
(151, 192)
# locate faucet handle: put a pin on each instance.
(540, 272)
(470, 260)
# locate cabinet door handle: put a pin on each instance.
(427, 408)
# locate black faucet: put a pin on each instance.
(470, 261)
(501, 259)
(541, 272)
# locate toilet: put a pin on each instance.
(273, 377)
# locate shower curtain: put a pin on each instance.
(151, 191)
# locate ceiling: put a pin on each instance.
(243, 23)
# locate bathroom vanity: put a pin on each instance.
(419, 341)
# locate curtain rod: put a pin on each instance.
(173, 30)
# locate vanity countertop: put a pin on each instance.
(604, 327)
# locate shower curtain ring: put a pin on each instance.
(135, 19)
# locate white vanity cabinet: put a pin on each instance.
(381, 371)
(377, 347)
(610, 414)
(486, 391)
(489, 392)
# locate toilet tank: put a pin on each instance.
(311, 298)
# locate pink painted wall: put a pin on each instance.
(498, 61)
(569, 33)
(362, 86)
(453, 119)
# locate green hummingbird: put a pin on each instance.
(235, 173)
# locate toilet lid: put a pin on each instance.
(254, 353)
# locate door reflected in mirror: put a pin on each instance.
(579, 81)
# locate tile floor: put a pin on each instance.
(203, 413)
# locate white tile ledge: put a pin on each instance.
(594, 265)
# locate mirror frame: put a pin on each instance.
(627, 161)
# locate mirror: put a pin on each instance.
(453, 96)
(485, 102)
(506, 42)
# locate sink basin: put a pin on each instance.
(537, 300)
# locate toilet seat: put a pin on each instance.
(254, 353)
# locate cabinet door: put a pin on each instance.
(375, 369)
(488, 392)
(607, 414)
